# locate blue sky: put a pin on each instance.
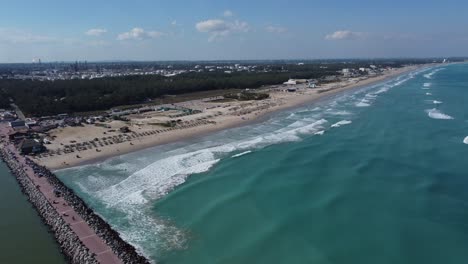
(213, 30)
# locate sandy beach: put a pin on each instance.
(96, 143)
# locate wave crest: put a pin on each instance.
(437, 114)
(341, 123)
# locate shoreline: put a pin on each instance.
(281, 102)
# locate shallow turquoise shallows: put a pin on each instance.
(374, 175)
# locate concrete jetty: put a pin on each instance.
(83, 236)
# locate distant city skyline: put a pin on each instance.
(226, 30)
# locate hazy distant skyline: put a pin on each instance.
(230, 30)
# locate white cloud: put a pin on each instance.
(174, 23)
(139, 34)
(276, 29)
(228, 13)
(218, 28)
(345, 35)
(96, 32)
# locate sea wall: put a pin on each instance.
(71, 246)
(126, 252)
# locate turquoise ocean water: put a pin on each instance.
(374, 175)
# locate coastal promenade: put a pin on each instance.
(99, 250)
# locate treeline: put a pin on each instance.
(4, 100)
(39, 98)
(49, 98)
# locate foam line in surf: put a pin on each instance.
(429, 75)
(437, 114)
(341, 123)
(241, 154)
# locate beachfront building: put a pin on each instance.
(18, 125)
(311, 83)
(30, 146)
(295, 81)
(346, 72)
(290, 82)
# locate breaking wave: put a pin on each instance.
(342, 123)
(465, 140)
(241, 154)
(363, 103)
(437, 114)
(383, 88)
(429, 75)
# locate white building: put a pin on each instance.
(290, 82)
(346, 72)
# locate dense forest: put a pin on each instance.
(4, 100)
(47, 98)
(41, 98)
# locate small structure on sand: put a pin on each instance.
(125, 129)
(30, 146)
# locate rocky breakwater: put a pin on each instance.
(71, 246)
(125, 252)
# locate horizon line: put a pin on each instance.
(231, 60)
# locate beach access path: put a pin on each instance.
(85, 233)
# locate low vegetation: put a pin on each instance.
(247, 96)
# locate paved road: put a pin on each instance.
(18, 111)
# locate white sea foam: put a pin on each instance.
(338, 113)
(429, 75)
(437, 114)
(311, 128)
(363, 103)
(401, 82)
(427, 84)
(160, 177)
(465, 140)
(370, 96)
(241, 154)
(321, 132)
(384, 89)
(436, 102)
(157, 179)
(428, 94)
(402, 79)
(341, 123)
